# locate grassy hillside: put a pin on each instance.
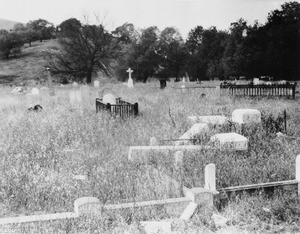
(30, 65)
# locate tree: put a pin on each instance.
(145, 59)
(172, 53)
(128, 36)
(282, 56)
(85, 51)
(69, 26)
(10, 43)
(234, 60)
(205, 50)
(42, 29)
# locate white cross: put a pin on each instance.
(129, 71)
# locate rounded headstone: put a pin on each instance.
(109, 98)
(75, 84)
(35, 91)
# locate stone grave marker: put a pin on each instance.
(130, 81)
(109, 98)
(50, 83)
(183, 80)
(96, 84)
(75, 84)
(246, 116)
(230, 141)
(35, 91)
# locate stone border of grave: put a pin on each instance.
(182, 207)
(121, 108)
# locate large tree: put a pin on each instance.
(85, 51)
(172, 52)
(10, 43)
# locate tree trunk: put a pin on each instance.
(89, 78)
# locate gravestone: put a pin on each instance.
(75, 84)
(35, 91)
(183, 80)
(109, 98)
(246, 116)
(96, 84)
(130, 81)
(163, 83)
(50, 83)
(230, 141)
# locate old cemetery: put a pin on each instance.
(178, 161)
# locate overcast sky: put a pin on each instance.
(182, 14)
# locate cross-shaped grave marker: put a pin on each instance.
(130, 81)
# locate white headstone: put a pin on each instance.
(247, 116)
(130, 81)
(75, 84)
(96, 84)
(109, 98)
(231, 141)
(35, 91)
(210, 119)
(183, 80)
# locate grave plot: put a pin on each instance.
(117, 107)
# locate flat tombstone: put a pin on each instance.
(230, 141)
(35, 91)
(196, 129)
(246, 116)
(109, 98)
(96, 84)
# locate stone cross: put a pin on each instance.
(129, 72)
(130, 81)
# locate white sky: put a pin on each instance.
(182, 14)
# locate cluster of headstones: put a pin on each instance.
(229, 140)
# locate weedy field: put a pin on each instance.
(41, 152)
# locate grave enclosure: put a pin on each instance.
(120, 108)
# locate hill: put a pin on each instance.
(29, 66)
(7, 24)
